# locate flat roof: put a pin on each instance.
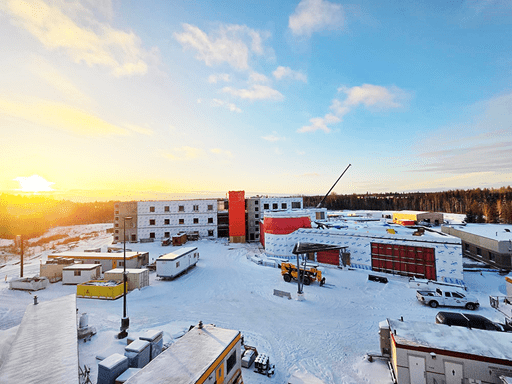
(189, 358)
(128, 270)
(176, 254)
(45, 348)
(96, 255)
(82, 267)
(476, 342)
(492, 231)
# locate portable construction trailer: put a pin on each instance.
(173, 264)
(428, 353)
(136, 278)
(52, 269)
(205, 354)
(107, 260)
(80, 273)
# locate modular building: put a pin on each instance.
(205, 354)
(490, 243)
(80, 273)
(429, 353)
(375, 246)
(52, 269)
(417, 217)
(136, 278)
(107, 260)
(173, 264)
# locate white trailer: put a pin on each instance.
(172, 264)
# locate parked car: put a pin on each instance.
(448, 298)
(470, 321)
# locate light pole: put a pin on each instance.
(125, 321)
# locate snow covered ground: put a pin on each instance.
(326, 337)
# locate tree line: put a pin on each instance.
(479, 205)
(32, 216)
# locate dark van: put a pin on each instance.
(469, 320)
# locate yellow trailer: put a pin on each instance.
(100, 289)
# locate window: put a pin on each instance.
(151, 235)
(196, 220)
(257, 216)
(177, 264)
(457, 295)
(266, 206)
(274, 206)
(296, 205)
(256, 202)
(117, 225)
(117, 218)
(466, 246)
(492, 256)
(231, 362)
(284, 206)
(257, 229)
(181, 221)
(478, 251)
(97, 262)
(256, 223)
(120, 264)
(134, 237)
(167, 234)
(447, 294)
(166, 208)
(210, 220)
(167, 221)
(210, 207)
(117, 230)
(116, 212)
(151, 209)
(181, 208)
(256, 209)
(257, 236)
(210, 233)
(152, 222)
(116, 238)
(78, 273)
(251, 236)
(195, 208)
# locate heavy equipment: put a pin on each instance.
(308, 273)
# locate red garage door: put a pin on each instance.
(404, 260)
(329, 257)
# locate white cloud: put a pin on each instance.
(94, 43)
(255, 92)
(218, 151)
(138, 129)
(372, 97)
(221, 103)
(214, 79)
(316, 15)
(281, 72)
(184, 153)
(232, 44)
(273, 137)
(256, 77)
(278, 151)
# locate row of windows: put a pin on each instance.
(152, 235)
(181, 208)
(195, 220)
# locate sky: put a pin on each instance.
(121, 100)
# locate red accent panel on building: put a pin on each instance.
(285, 225)
(236, 213)
(262, 234)
(404, 260)
(329, 257)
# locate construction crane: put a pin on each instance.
(327, 194)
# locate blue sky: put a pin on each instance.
(121, 100)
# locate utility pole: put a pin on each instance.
(19, 242)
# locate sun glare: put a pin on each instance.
(34, 184)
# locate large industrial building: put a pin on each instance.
(235, 217)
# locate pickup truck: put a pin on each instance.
(447, 298)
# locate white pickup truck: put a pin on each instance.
(447, 298)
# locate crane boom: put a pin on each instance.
(327, 194)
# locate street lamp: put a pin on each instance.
(125, 321)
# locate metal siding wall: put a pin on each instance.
(236, 213)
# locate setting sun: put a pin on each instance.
(34, 183)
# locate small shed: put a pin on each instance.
(136, 278)
(179, 239)
(80, 273)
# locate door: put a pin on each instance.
(453, 373)
(219, 374)
(417, 370)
